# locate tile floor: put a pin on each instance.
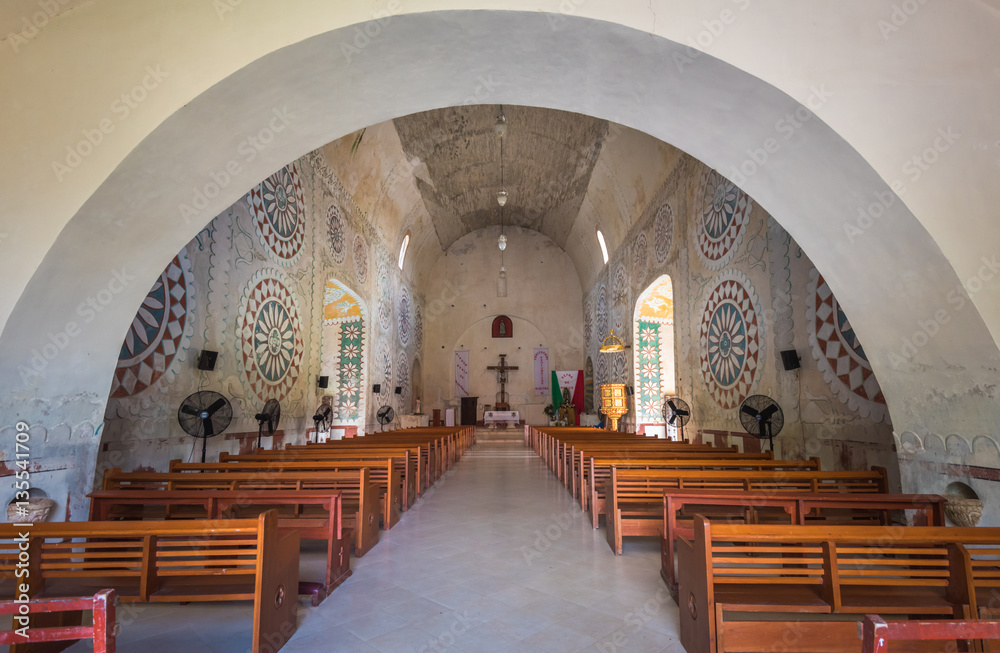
(495, 557)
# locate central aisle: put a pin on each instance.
(496, 557)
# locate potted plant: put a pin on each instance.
(550, 411)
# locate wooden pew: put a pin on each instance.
(876, 633)
(757, 587)
(383, 473)
(594, 498)
(634, 497)
(296, 511)
(359, 496)
(827, 508)
(35, 614)
(409, 462)
(165, 562)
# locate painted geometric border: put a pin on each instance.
(402, 379)
(730, 337)
(839, 354)
(278, 209)
(648, 371)
(268, 335)
(723, 220)
(161, 329)
(384, 289)
(352, 337)
(337, 234)
(361, 258)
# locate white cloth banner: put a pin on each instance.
(542, 374)
(568, 380)
(462, 373)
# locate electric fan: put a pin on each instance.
(762, 417)
(385, 415)
(205, 414)
(323, 418)
(268, 418)
(676, 412)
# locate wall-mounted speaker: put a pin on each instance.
(630, 389)
(323, 382)
(377, 388)
(790, 359)
(399, 390)
(206, 360)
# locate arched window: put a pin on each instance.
(604, 247)
(402, 249)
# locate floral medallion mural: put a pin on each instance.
(663, 233)
(730, 338)
(159, 331)
(336, 234)
(724, 215)
(839, 354)
(269, 337)
(278, 210)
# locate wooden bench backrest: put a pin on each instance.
(643, 483)
(350, 483)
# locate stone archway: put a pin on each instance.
(291, 100)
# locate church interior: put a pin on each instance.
(421, 225)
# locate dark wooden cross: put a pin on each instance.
(502, 369)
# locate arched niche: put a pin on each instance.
(653, 353)
(345, 352)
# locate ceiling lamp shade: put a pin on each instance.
(502, 242)
(502, 196)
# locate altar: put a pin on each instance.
(413, 421)
(501, 417)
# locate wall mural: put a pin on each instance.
(620, 303)
(403, 316)
(730, 338)
(349, 370)
(268, 337)
(588, 322)
(336, 234)
(384, 286)
(640, 257)
(418, 328)
(602, 314)
(838, 353)
(403, 380)
(360, 259)
(588, 386)
(663, 233)
(159, 331)
(724, 216)
(278, 210)
(649, 396)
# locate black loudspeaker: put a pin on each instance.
(323, 382)
(206, 361)
(630, 390)
(377, 388)
(399, 390)
(790, 359)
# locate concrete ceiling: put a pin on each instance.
(549, 157)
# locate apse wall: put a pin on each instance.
(543, 301)
(253, 287)
(743, 292)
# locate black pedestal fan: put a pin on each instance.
(762, 417)
(268, 419)
(205, 414)
(676, 412)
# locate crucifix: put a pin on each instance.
(502, 403)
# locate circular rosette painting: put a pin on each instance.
(724, 215)
(730, 338)
(269, 333)
(278, 210)
(839, 354)
(160, 330)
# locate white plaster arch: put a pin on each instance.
(890, 280)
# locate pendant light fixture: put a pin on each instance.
(500, 127)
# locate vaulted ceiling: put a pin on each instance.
(548, 159)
